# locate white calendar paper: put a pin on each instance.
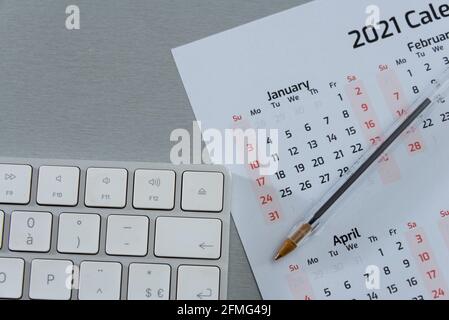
(332, 87)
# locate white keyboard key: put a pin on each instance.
(15, 183)
(30, 231)
(58, 185)
(154, 189)
(149, 282)
(100, 280)
(127, 235)
(188, 238)
(51, 279)
(11, 278)
(202, 191)
(198, 283)
(2, 218)
(106, 187)
(79, 233)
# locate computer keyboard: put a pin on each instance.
(73, 229)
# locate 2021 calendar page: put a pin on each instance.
(332, 77)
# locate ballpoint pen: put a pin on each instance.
(436, 93)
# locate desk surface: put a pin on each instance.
(109, 91)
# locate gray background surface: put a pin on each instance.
(109, 91)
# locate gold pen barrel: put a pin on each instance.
(300, 233)
(292, 241)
